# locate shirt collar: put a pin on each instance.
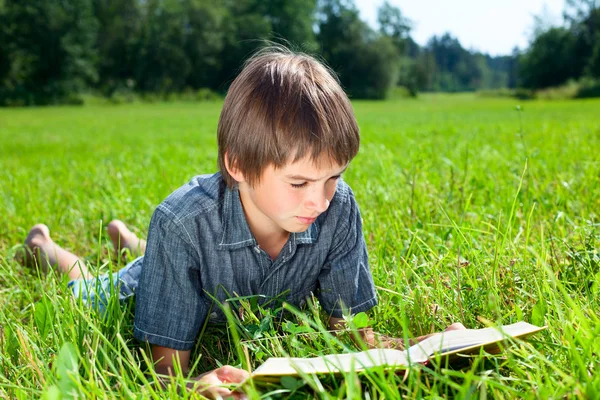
(236, 232)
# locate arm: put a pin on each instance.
(373, 340)
(169, 306)
(207, 384)
(163, 358)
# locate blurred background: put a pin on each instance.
(54, 52)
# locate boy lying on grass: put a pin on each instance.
(276, 218)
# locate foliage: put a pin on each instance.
(559, 54)
(156, 48)
(52, 52)
(120, 25)
(48, 51)
(588, 88)
(367, 63)
(549, 61)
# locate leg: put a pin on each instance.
(123, 238)
(43, 252)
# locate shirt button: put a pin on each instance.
(257, 249)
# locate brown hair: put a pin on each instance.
(282, 107)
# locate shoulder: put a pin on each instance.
(203, 194)
(343, 193)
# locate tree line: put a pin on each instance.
(569, 52)
(53, 50)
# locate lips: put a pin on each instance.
(306, 220)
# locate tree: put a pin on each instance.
(120, 26)
(367, 63)
(162, 65)
(457, 68)
(584, 23)
(4, 60)
(548, 62)
(577, 11)
(204, 41)
(292, 21)
(394, 25)
(49, 48)
(593, 65)
(513, 68)
(245, 30)
(558, 54)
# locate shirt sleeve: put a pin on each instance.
(345, 283)
(169, 307)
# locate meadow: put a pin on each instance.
(475, 210)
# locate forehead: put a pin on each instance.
(312, 168)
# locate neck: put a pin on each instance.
(269, 236)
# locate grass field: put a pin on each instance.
(473, 211)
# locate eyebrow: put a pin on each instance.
(305, 178)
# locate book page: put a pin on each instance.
(454, 341)
(445, 343)
(334, 363)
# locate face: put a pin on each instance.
(289, 199)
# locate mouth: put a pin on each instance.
(306, 220)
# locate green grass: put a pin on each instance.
(472, 211)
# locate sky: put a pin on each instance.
(493, 27)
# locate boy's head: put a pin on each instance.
(281, 108)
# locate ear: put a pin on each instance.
(233, 170)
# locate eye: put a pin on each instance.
(299, 185)
(333, 180)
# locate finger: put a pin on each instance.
(397, 343)
(212, 390)
(225, 393)
(456, 327)
(218, 393)
(231, 374)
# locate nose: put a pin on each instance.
(318, 200)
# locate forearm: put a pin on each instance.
(211, 384)
(165, 359)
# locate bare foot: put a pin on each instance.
(123, 238)
(42, 252)
(37, 237)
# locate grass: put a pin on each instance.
(473, 211)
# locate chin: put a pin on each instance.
(298, 229)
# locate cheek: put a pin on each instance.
(284, 200)
(295, 198)
(330, 190)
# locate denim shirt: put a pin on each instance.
(200, 248)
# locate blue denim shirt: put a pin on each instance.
(200, 247)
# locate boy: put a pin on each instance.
(277, 217)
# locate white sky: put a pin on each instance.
(493, 27)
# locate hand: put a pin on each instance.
(457, 326)
(398, 343)
(211, 383)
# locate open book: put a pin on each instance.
(443, 344)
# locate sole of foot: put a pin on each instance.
(122, 238)
(38, 236)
